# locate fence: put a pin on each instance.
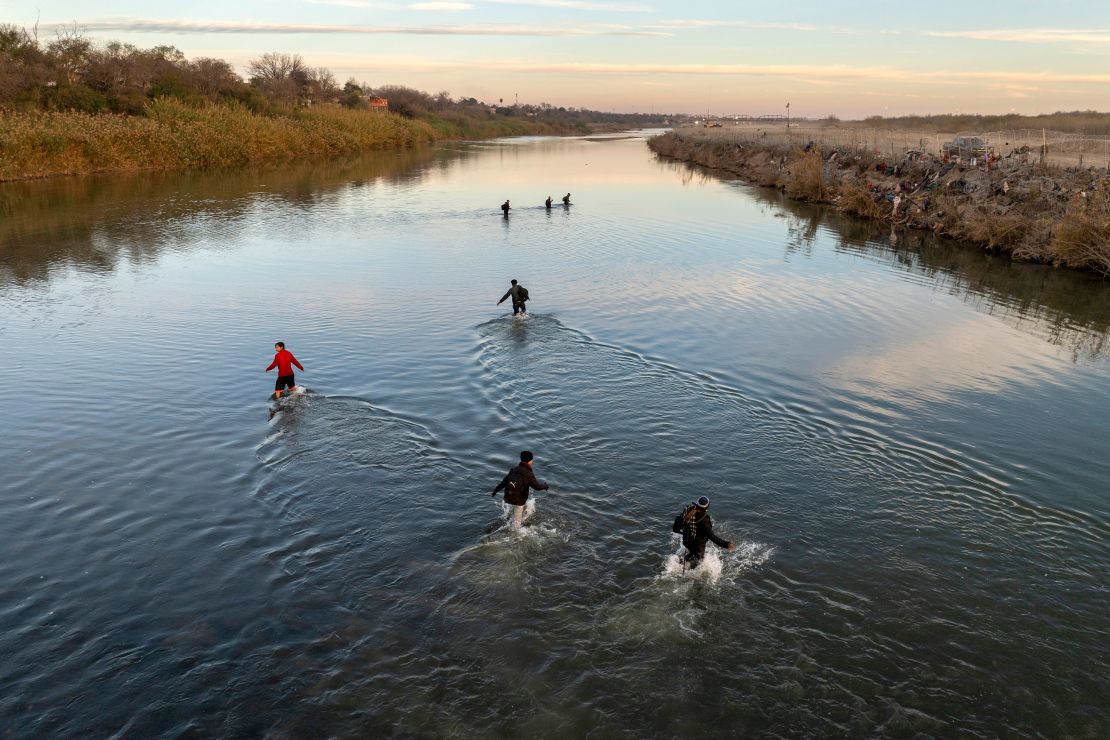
(1057, 148)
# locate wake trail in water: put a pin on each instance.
(534, 369)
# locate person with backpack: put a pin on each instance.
(696, 529)
(519, 294)
(516, 483)
(505, 208)
(566, 199)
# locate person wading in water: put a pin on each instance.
(516, 483)
(505, 208)
(519, 294)
(696, 529)
(547, 203)
(566, 199)
(284, 362)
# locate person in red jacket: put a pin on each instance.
(284, 362)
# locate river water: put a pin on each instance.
(906, 440)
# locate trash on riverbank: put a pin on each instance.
(1004, 203)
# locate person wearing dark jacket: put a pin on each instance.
(566, 199)
(516, 483)
(519, 294)
(505, 208)
(696, 529)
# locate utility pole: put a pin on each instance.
(788, 116)
(516, 97)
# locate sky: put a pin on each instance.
(837, 57)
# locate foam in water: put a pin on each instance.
(717, 562)
(527, 529)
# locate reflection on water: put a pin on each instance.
(906, 442)
(89, 222)
(1068, 308)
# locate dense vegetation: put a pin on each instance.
(72, 106)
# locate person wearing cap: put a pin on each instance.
(516, 483)
(519, 294)
(696, 529)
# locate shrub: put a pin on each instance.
(807, 180)
(855, 198)
(1083, 236)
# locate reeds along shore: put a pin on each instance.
(175, 135)
(1032, 212)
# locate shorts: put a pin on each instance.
(285, 381)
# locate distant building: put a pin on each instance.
(376, 103)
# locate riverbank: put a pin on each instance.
(173, 135)
(1011, 205)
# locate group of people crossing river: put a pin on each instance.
(505, 207)
(694, 523)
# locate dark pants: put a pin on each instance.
(285, 381)
(694, 555)
(519, 308)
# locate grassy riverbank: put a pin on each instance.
(75, 106)
(1014, 205)
(173, 135)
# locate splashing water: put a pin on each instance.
(717, 562)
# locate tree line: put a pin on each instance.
(71, 72)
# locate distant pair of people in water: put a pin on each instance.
(506, 206)
(694, 523)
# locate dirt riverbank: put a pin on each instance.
(1011, 204)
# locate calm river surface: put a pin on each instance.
(907, 440)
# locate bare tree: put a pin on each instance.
(274, 66)
(323, 85)
(281, 76)
(214, 77)
(71, 49)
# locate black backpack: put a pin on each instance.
(522, 296)
(516, 489)
(686, 524)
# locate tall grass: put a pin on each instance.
(175, 135)
(807, 176)
(1083, 237)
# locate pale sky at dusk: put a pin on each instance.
(851, 59)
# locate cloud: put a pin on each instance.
(354, 4)
(812, 74)
(172, 26)
(577, 5)
(758, 25)
(1032, 35)
(440, 6)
